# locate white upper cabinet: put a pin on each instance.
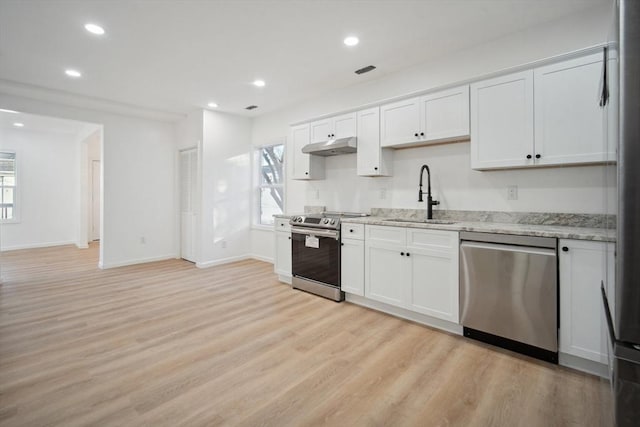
(373, 160)
(434, 117)
(445, 115)
(305, 166)
(342, 126)
(569, 122)
(502, 121)
(400, 122)
(541, 117)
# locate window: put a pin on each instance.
(270, 167)
(7, 185)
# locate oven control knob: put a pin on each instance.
(333, 221)
(326, 221)
(300, 219)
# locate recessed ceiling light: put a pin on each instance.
(8, 111)
(94, 29)
(18, 125)
(212, 105)
(351, 41)
(73, 73)
(259, 83)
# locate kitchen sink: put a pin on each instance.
(421, 221)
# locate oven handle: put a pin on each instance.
(315, 232)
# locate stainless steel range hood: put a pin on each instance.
(332, 147)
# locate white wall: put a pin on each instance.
(47, 165)
(575, 189)
(139, 168)
(226, 188)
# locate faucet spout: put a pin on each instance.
(430, 201)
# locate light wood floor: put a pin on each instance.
(167, 344)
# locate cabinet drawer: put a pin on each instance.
(379, 234)
(282, 224)
(353, 231)
(439, 240)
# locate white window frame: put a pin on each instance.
(258, 186)
(16, 192)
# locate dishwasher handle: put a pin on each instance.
(508, 248)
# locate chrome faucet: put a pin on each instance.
(430, 202)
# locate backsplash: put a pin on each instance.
(534, 218)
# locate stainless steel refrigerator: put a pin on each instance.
(624, 320)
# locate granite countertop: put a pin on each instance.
(540, 224)
(558, 231)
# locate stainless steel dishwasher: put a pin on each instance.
(509, 292)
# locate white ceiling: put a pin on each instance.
(174, 55)
(37, 123)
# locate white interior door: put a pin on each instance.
(95, 200)
(188, 203)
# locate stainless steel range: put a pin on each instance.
(315, 253)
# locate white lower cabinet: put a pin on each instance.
(282, 262)
(583, 265)
(352, 266)
(415, 269)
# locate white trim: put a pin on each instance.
(108, 265)
(284, 279)
(38, 245)
(583, 365)
(262, 227)
(261, 258)
(82, 245)
(213, 263)
(423, 319)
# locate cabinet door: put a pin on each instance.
(385, 274)
(400, 122)
(582, 323)
(445, 115)
(433, 259)
(305, 166)
(283, 254)
(372, 161)
(352, 265)
(321, 130)
(569, 123)
(344, 125)
(502, 121)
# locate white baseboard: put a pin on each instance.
(454, 328)
(82, 245)
(213, 263)
(261, 258)
(107, 265)
(37, 245)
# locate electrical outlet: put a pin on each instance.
(142, 240)
(383, 193)
(223, 244)
(512, 192)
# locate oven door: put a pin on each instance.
(315, 255)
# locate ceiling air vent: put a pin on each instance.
(365, 69)
(251, 107)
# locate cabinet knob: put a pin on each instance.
(421, 133)
(408, 254)
(401, 253)
(341, 244)
(538, 156)
(375, 168)
(565, 249)
(351, 230)
(328, 135)
(529, 156)
(289, 237)
(415, 134)
(306, 173)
